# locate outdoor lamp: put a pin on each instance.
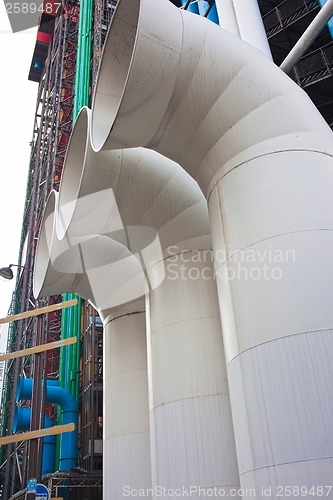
(7, 273)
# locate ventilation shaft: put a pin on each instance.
(262, 155)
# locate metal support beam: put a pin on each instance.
(38, 348)
(40, 310)
(51, 431)
(309, 35)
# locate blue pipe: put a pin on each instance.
(67, 367)
(330, 22)
(21, 422)
(193, 7)
(69, 406)
(212, 16)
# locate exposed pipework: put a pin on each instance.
(309, 35)
(250, 25)
(209, 11)
(330, 22)
(69, 405)
(126, 432)
(247, 134)
(71, 318)
(21, 422)
(190, 6)
(227, 16)
(155, 212)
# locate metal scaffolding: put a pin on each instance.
(52, 127)
(285, 22)
(91, 394)
(102, 18)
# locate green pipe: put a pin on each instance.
(62, 372)
(71, 359)
(78, 354)
(82, 82)
(89, 18)
(82, 86)
(62, 367)
(83, 69)
(71, 318)
(78, 59)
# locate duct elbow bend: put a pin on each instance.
(63, 398)
(57, 265)
(205, 97)
(54, 394)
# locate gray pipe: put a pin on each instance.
(309, 35)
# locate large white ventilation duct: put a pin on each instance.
(227, 16)
(244, 20)
(192, 446)
(126, 439)
(250, 25)
(70, 265)
(145, 208)
(262, 154)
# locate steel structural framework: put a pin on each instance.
(52, 128)
(266, 141)
(284, 22)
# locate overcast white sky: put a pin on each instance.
(17, 109)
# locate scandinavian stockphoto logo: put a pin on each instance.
(264, 263)
(24, 15)
(120, 262)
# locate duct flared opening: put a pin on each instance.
(44, 245)
(15, 420)
(19, 389)
(114, 69)
(72, 172)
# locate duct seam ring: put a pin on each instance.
(215, 181)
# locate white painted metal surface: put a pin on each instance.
(250, 25)
(227, 16)
(192, 446)
(309, 35)
(261, 153)
(94, 266)
(140, 189)
(126, 443)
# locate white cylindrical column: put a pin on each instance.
(126, 447)
(274, 274)
(227, 16)
(192, 438)
(263, 155)
(250, 25)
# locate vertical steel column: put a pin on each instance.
(35, 448)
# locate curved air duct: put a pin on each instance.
(117, 214)
(126, 433)
(69, 406)
(262, 155)
(21, 422)
(148, 206)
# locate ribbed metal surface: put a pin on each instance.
(282, 399)
(258, 174)
(191, 429)
(126, 446)
(206, 100)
